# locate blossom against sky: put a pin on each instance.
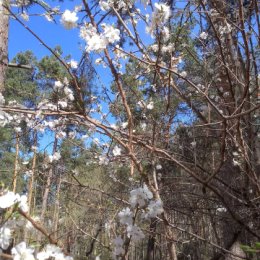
(53, 33)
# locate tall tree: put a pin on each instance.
(4, 25)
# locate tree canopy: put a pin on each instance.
(146, 147)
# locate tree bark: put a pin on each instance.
(31, 182)
(16, 162)
(4, 27)
(151, 240)
(48, 184)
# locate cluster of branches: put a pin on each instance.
(186, 114)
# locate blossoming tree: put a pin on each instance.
(180, 120)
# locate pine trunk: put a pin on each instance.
(4, 24)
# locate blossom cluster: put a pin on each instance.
(69, 19)
(10, 198)
(98, 41)
(140, 199)
(21, 251)
(159, 18)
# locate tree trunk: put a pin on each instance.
(48, 184)
(16, 163)
(57, 207)
(151, 240)
(31, 182)
(236, 250)
(4, 25)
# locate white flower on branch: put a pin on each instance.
(96, 41)
(140, 196)
(103, 160)
(104, 5)
(25, 16)
(162, 12)
(2, 100)
(22, 252)
(116, 151)
(69, 93)
(183, 74)
(150, 105)
(55, 157)
(23, 203)
(5, 237)
(48, 17)
(160, 16)
(69, 19)
(124, 125)
(203, 35)
(135, 232)
(126, 216)
(110, 33)
(73, 64)
(58, 85)
(154, 209)
(52, 251)
(118, 246)
(8, 199)
(221, 209)
(158, 167)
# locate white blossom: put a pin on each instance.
(55, 157)
(158, 167)
(73, 64)
(140, 196)
(63, 104)
(23, 203)
(25, 16)
(118, 246)
(143, 126)
(162, 12)
(124, 125)
(22, 252)
(166, 33)
(193, 144)
(8, 199)
(183, 74)
(154, 209)
(48, 17)
(160, 16)
(103, 160)
(58, 85)
(5, 237)
(203, 35)
(52, 251)
(110, 33)
(135, 233)
(96, 43)
(2, 100)
(126, 216)
(104, 5)
(150, 105)
(69, 93)
(221, 209)
(116, 151)
(69, 19)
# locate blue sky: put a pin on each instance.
(51, 33)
